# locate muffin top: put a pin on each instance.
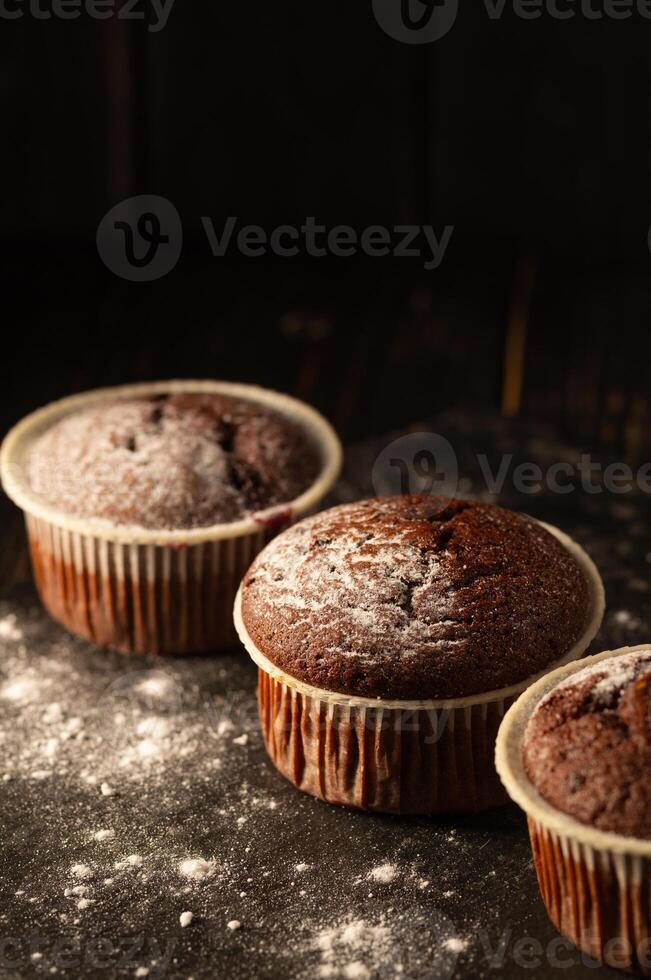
(172, 461)
(587, 745)
(414, 598)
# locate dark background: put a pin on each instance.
(530, 137)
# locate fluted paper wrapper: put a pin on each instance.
(598, 899)
(396, 760)
(143, 590)
(596, 885)
(142, 598)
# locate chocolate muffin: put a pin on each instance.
(415, 597)
(177, 461)
(392, 634)
(574, 752)
(145, 504)
(587, 746)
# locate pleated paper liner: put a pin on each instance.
(147, 591)
(596, 885)
(409, 757)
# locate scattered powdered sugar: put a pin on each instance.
(138, 725)
(356, 971)
(76, 890)
(9, 629)
(22, 689)
(384, 873)
(625, 618)
(131, 861)
(455, 945)
(360, 948)
(197, 869)
(204, 825)
(101, 835)
(339, 945)
(81, 871)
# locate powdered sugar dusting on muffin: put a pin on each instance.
(380, 596)
(415, 598)
(587, 745)
(172, 462)
(612, 677)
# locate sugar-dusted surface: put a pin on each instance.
(588, 745)
(415, 597)
(172, 462)
(463, 889)
(604, 684)
(131, 798)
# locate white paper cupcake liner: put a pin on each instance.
(142, 590)
(596, 885)
(410, 757)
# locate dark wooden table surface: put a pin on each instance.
(116, 772)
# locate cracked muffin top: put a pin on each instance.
(172, 461)
(587, 745)
(415, 598)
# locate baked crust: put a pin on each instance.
(415, 598)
